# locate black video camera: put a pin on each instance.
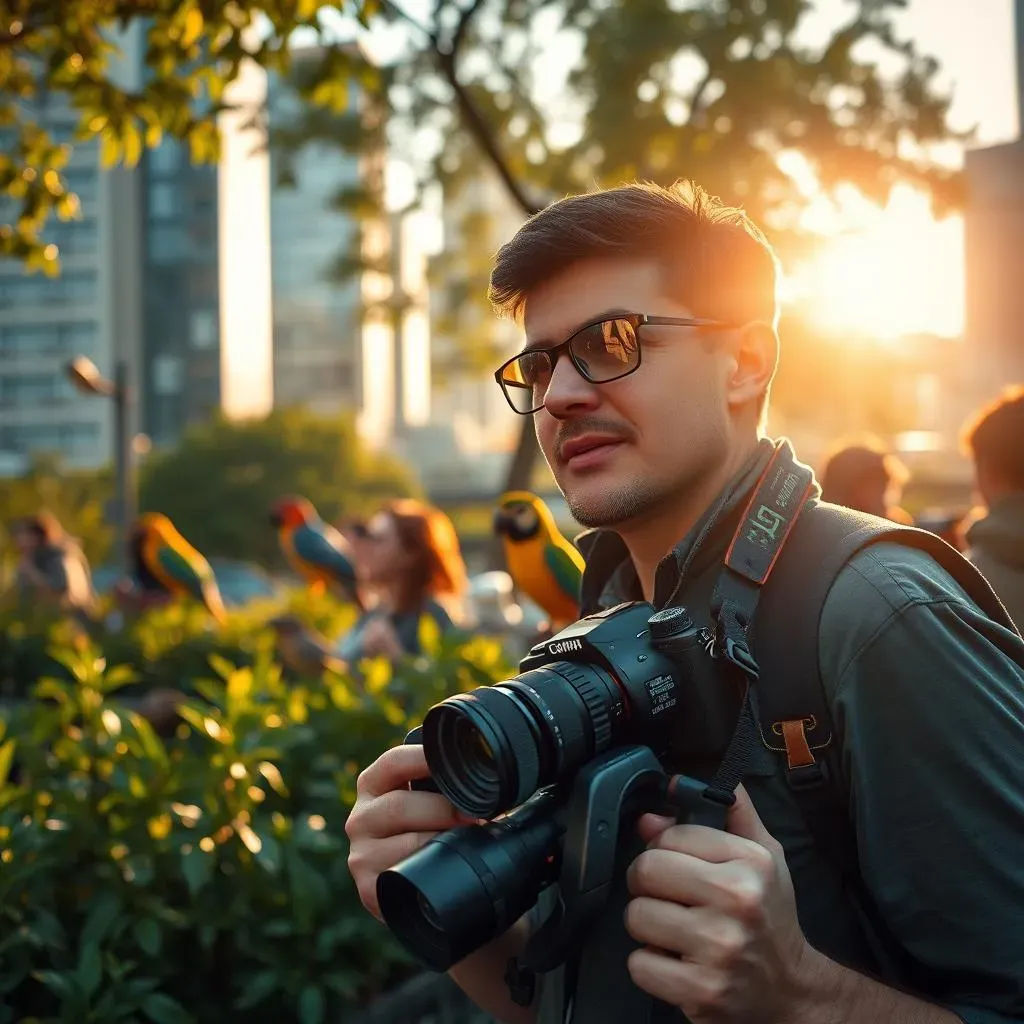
(560, 757)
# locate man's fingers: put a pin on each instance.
(671, 876)
(394, 769)
(403, 811)
(674, 981)
(708, 844)
(650, 826)
(661, 924)
(367, 864)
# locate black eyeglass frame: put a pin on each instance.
(555, 351)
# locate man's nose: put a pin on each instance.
(568, 391)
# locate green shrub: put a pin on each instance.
(202, 879)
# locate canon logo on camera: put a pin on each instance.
(564, 646)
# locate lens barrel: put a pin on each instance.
(490, 749)
(469, 885)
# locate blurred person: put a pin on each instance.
(305, 651)
(863, 872)
(995, 537)
(409, 559)
(866, 477)
(52, 567)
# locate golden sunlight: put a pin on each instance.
(882, 273)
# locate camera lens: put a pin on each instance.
(467, 886)
(490, 749)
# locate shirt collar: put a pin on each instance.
(610, 578)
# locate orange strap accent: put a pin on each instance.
(798, 751)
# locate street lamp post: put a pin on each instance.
(86, 377)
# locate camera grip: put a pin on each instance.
(414, 737)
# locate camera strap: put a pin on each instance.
(779, 497)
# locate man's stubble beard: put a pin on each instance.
(628, 504)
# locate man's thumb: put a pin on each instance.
(744, 821)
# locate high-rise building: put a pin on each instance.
(477, 219)
(317, 312)
(46, 321)
(994, 231)
(167, 271)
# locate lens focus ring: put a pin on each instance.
(596, 701)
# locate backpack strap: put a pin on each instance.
(794, 716)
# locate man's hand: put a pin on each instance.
(717, 915)
(390, 822)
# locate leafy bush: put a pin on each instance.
(204, 878)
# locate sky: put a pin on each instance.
(895, 271)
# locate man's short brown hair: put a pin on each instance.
(995, 437)
(718, 263)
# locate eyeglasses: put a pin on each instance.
(602, 351)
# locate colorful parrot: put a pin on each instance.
(315, 549)
(165, 561)
(543, 564)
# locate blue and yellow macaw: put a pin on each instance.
(315, 549)
(543, 564)
(174, 565)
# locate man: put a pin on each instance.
(866, 477)
(996, 539)
(656, 440)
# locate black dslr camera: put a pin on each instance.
(560, 757)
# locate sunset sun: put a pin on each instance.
(894, 271)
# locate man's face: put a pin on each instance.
(633, 447)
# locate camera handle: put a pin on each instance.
(619, 785)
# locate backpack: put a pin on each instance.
(784, 559)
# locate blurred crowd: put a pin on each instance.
(404, 565)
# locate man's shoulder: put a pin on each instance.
(895, 606)
(887, 578)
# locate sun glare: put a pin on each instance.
(891, 272)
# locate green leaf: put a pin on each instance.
(269, 856)
(221, 666)
(6, 760)
(103, 914)
(162, 1009)
(259, 988)
(61, 985)
(90, 969)
(311, 1005)
(148, 935)
(198, 868)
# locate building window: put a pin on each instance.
(166, 158)
(163, 200)
(167, 243)
(38, 290)
(31, 389)
(203, 328)
(168, 375)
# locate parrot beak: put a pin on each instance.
(501, 522)
(276, 519)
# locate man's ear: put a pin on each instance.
(755, 352)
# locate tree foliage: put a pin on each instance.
(723, 91)
(66, 52)
(719, 90)
(219, 485)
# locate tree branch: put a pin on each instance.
(471, 116)
(698, 96)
